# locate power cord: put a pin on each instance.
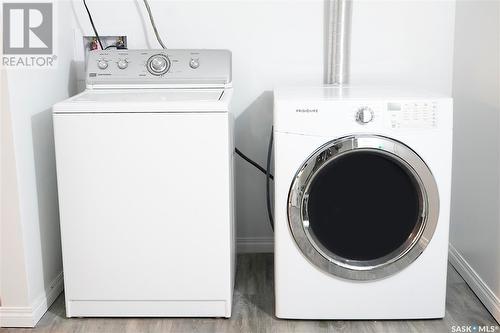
(151, 18)
(158, 38)
(268, 174)
(118, 47)
(268, 178)
(92, 23)
(255, 164)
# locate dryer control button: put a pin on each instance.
(364, 115)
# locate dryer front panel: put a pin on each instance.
(363, 207)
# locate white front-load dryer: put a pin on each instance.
(362, 197)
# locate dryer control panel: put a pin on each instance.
(398, 114)
(417, 114)
(333, 110)
(149, 68)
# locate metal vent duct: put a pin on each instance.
(339, 13)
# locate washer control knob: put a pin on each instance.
(194, 63)
(122, 63)
(158, 64)
(102, 64)
(364, 115)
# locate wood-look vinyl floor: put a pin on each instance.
(254, 312)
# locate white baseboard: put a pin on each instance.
(478, 286)
(255, 244)
(29, 316)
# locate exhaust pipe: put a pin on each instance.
(338, 34)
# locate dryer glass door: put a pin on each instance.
(363, 207)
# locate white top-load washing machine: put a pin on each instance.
(145, 176)
(362, 201)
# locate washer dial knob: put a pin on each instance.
(102, 64)
(194, 63)
(364, 115)
(122, 63)
(158, 64)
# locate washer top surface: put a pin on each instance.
(150, 96)
(147, 101)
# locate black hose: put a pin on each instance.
(246, 158)
(268, 174)
(268, 178)
(92, 23)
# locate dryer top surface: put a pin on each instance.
(330, 92)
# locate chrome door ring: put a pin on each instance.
(391, 263)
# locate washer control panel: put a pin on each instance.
(106, 68)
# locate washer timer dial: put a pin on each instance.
(158, 64)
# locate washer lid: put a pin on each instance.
(146, 100)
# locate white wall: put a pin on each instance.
(31, 234)
(475, 229)
(278, 42)
(403, 42)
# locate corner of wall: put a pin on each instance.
(475, 282)
(13, 278)
(475, 227)
(29, 316)
(17, 309)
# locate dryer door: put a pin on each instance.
(363, 207)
